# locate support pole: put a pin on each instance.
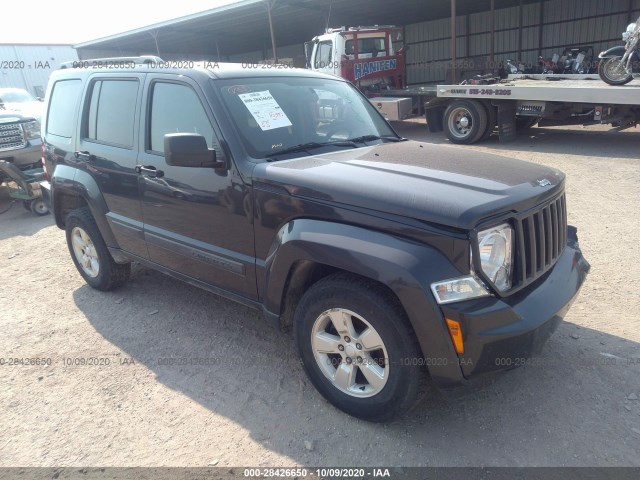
(493, 32)
(541, 31)
(454, 45)
(520, 25)
(270, 4)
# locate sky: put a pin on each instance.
(76, 21)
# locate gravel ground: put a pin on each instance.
(252, 405)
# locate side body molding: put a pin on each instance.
(404, 266)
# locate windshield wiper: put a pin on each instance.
(310, 146)
(370, 138)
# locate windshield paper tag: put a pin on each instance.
(265, 110)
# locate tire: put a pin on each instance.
(371, 310)
(605, 70)
(27, 204)
(465, 121)
(100, 271)
(39, 207)
(492, 116)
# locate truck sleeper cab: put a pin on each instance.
(287, 191)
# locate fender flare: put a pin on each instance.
(406, 267)
(71, 181)
(618, 51)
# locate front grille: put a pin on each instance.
(11, 136)
(540, 240)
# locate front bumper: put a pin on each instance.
(24, 157)
(501, 333)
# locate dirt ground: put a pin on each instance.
(249, 403)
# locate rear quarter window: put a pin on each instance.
(63, 105)
(112, 110)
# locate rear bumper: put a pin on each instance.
(500, 334)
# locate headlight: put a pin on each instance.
(31, 129)
(496, 255)
(458, 289)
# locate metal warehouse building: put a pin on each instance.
(29, 66)
(481, 33)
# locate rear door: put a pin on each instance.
(197, 221)
(107, 151)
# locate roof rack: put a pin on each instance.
(141, 60)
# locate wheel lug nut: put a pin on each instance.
(359, 359)
(341, 348)
(347, 339)
(358, 346)
(349, 360)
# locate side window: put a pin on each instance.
(176, 108)
(62, 107)
(111, 112)
(323, 55)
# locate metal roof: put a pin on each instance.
(243, 26)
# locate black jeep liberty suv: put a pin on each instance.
(285, 190)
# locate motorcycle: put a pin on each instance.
(619, 65)
(574, 61)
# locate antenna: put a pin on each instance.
(328, 17)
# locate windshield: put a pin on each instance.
(15, 96)
(276, 114)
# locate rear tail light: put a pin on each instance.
(44, 164)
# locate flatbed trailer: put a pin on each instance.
(471, 113)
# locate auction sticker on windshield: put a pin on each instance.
(265, 110)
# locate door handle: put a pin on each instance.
(150, 171)
(84, 156)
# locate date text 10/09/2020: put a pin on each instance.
(316, 472)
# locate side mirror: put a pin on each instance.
(189, 150)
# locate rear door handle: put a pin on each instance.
(84, 156)
(150, 171)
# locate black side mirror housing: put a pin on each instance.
(190, 150)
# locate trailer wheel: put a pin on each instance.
(39, 207)
(465, 121)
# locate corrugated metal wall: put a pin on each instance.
(29, 66)
(287, 51)
(565, 23)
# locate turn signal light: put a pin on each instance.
(456, 335)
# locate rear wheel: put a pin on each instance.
(358, 348)
(90, 253)
(614, 72)
(492, 116)
(465, 121)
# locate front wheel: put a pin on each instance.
(358, 348)
(614, 72)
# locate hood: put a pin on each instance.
(26, 109)
(444, 185)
